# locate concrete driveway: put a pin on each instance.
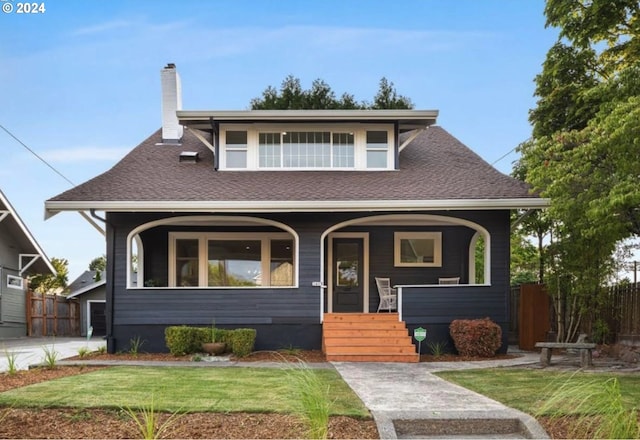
(31, 351)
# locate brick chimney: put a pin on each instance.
(171, 102)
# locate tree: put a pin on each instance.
(292, 96)
(388, 98)
(566, 74)
(98, 265)
(47, 283)
(584, 152)
(611, 25)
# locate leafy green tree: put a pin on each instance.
(584, 150)
(610, 25)
(47, 283)
(98, 265)
(292, 96)
(562, 104)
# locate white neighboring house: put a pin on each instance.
(20, 256)
(91, 294)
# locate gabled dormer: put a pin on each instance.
(342, 140)
(286, 140)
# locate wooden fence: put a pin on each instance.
(52, 315)
(622, 311)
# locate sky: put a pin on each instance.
(80, 82)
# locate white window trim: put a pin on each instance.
(437, 248)
(15, 282)
(360, 144)
(203, 238)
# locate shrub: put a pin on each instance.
(241, 341)
(476, 337)
(182, 340)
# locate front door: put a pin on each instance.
(347, 282)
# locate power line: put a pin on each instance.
(503, 156)
(36, 155)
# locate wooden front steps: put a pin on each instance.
(366, 337)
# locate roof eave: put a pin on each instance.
(53, 207)
(406, 119)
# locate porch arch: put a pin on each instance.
(200, 220)
(412, 220)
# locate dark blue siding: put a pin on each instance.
(291, 316)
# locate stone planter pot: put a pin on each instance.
(214, 348)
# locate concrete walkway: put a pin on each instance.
(31, 351)
(408, 400)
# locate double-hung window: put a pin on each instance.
(236, 143)
(377, 149)
(231, 260)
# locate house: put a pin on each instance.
(280, 220)
(20, 256)
(90, 289)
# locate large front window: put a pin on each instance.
(231, 260)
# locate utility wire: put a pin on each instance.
(503, 156)
(36, 155)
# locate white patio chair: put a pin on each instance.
(388, 295)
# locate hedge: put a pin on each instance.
(183, 340)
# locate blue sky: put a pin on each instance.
(80, 83)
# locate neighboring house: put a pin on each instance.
(20, 256)
(278, 220)
(91, 295)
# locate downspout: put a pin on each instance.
(110, 270)
(214, 139)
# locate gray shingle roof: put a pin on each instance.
(434, 166)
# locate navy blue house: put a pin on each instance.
(281, 221)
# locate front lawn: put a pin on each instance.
(568, 405)
(527, 389)
(185, 389)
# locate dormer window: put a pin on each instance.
(236, 142)
(306, 147)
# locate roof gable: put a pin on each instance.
(26, 241)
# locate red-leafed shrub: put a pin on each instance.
(476, 337)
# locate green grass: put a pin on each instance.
(183, 388)
(526, 390)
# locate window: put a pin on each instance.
(309, 146)
(377, 149)
(231, 259)
(343, 150)
(236, 142)
(14, 282)
(416, 249)
(187, 254)
(306, 149)
(269, 150)
(234, 263)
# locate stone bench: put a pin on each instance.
(585, 349)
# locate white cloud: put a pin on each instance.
(103, 27)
